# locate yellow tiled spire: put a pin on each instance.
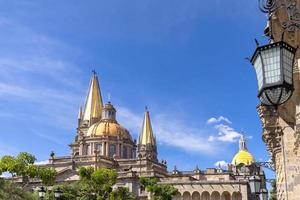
(147, 137)
(93, 104)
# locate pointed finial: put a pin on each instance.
(146, 108)
(94, 72)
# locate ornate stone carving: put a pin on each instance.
(272, 131)
(297, 133)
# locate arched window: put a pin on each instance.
(236, 196)
(196, 196)
(186, 196)
(177, 196)
(225, 196)
(215, 196)
(205, 196)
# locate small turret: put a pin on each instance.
(242, 143)
(109, 112)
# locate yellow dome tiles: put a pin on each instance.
(146, 136)
(108, 128)
(243, 157)
(93, 104)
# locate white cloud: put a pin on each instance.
(43, 162)
(169, 131)
(5, 175)
(130, 120)
(215, 120)
(222, 164)
(225, 134)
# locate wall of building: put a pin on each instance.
(280, 132)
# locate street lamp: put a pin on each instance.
(254, 182)
(273, 64)
(263, 194)
(42, 192)
(57, 193)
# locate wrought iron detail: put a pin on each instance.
(292, 9)
(268, 164)
(267, 6)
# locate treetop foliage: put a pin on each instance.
(158, 191)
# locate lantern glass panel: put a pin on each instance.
(42, 193)
(287, 61)
(259, 72)
(271, 64)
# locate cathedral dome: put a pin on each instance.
(108, 128)
(243, 157)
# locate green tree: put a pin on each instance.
(47, 175)
(11, 191)
(7, 164)
(121, 193)
(21, 165)
(158, 191)
(273, 191)
(85, 173)
(96, 184)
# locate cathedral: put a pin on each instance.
(100, 141)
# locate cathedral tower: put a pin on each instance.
(93, 105)
(147, 142)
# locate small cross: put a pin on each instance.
(94, 72)
(146, 108)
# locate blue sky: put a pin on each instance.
(185, 60)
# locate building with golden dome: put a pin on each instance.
(100, 141)
(243, 156)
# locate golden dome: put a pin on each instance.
(243, 157)
(108, 128)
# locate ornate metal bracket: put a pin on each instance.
(267, 6)
(292, 9)
(269, 165)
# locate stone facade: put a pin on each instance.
(281, 126)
